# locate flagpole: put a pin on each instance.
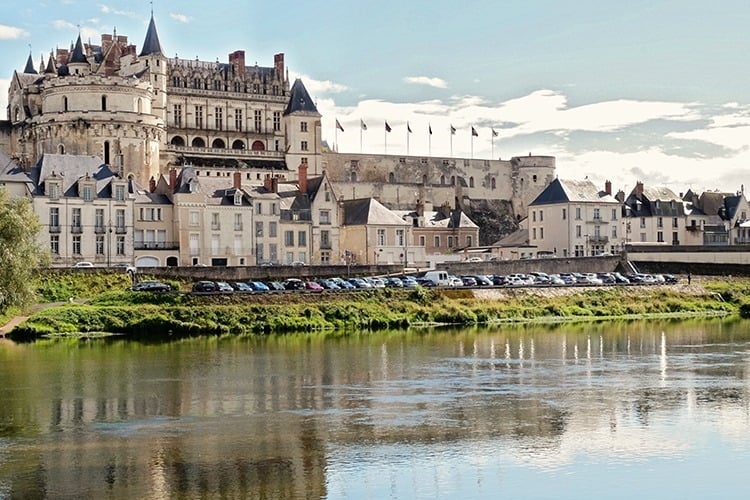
(429, 139)
(385, 138)
(360, 137)
(492, 148)
(407, 138)
(451, 131)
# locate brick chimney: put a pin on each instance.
(278, 64)
(302, 175)
(237, 60)
(237, 184)
(608, 187)
(639, 189)
(152, 184)
(267, 183)
(172, 179)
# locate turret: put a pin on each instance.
(78, 63)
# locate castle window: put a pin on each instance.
(533, 178)
(177, 141)
(106, 152)
(238, 120)
(60, 149)
(104, 103)
(493, 183)
(219, 118)
(402, 160)
(258, 120)
(303, 126)
(65, 103)
(177, 115)
(238, 144)
(453, 180)
(218, 143)
(237, 87)
(303, 145)
(276, 121)
(139, 107)
(442, 180)
(354, 177)
(471, 181)
(199, 117)
(198, 142)
(391, 177)
(424, 179)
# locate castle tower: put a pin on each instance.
(78, 65)
(303, 130)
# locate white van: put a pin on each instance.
(439, 278)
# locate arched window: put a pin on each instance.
(391, 177)
(60, 149)
(198, 142)
(237, 86)
(424, 179)
(139, 106)
(177, 141)
(258, 146)
(65, 103)
(354, 177)
(471, 182)
(238, 144)
(218, 143)
(442, 180)
(493, 184)
(534, 179)
(104, 103)
(106, 152)
(16, 114)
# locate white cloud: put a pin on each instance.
(60, 24)
(426, 80)
(182, 18)
(317, 87)
(109, 10)
(11, 32)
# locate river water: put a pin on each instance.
(606, 410)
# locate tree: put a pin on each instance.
(20, 255)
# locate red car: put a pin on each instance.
(313, 286)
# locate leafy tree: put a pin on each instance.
(20, 255)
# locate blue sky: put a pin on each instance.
(641, 90)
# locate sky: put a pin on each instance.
(645, 90)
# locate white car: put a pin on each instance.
(83, 263)
(594, 279)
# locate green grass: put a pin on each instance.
(112, 308)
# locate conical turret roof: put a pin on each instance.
(78, 56)
(151, 45)
(300, 100)
(50, 65)
(30, 67)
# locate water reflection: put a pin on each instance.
(529, 411)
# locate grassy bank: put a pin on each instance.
(113, 309)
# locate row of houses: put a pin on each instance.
(574, 218)
(191, 217)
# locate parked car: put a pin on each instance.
(607, 278)
(620, 279)
(242, 287)
(359, 283)
(393, 282)
(151, 286)
(313, 286)
(483, 280)
(294, 284)
(556, 280)
(409, 282)
(276, 286)
(594, 279)
(224, 287)
(670, 279)
(202, 287)
(469, 280)
(83, 263)
(128, 268)
(499, 280)
(343, 284)
(455, 281)
(258, 286)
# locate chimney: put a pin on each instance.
(152, 184)
(639, 189)
(608, 187)
(172, 179)
(420, 208)
(302, 175)
(278, 64)
(237, 60)
(275, 184)
(237, 184)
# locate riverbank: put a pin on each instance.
(142, 315)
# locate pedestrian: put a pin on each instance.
(690, 278)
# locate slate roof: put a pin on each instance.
(218, 190)
(299, 100)
(151, 45)
(369, 211)
(29, 69)
(71, 168)
(655, 201)
(518, 238)
(12, 172)
(78, 55)
(566, 191)
(436, 219)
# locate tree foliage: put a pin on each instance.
(20, 255)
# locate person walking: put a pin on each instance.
(690, 278)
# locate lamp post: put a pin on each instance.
(109, 244)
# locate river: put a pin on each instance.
(603, 410)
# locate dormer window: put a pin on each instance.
(238, 198)
(88, 192)
(119, 192)
(54, 190)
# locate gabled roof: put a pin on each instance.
(518, 238)
(12, 172)
(78, 55)
(151, 45)
(300, 101)
(566, 191)
(436, 219)
(369, 211)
